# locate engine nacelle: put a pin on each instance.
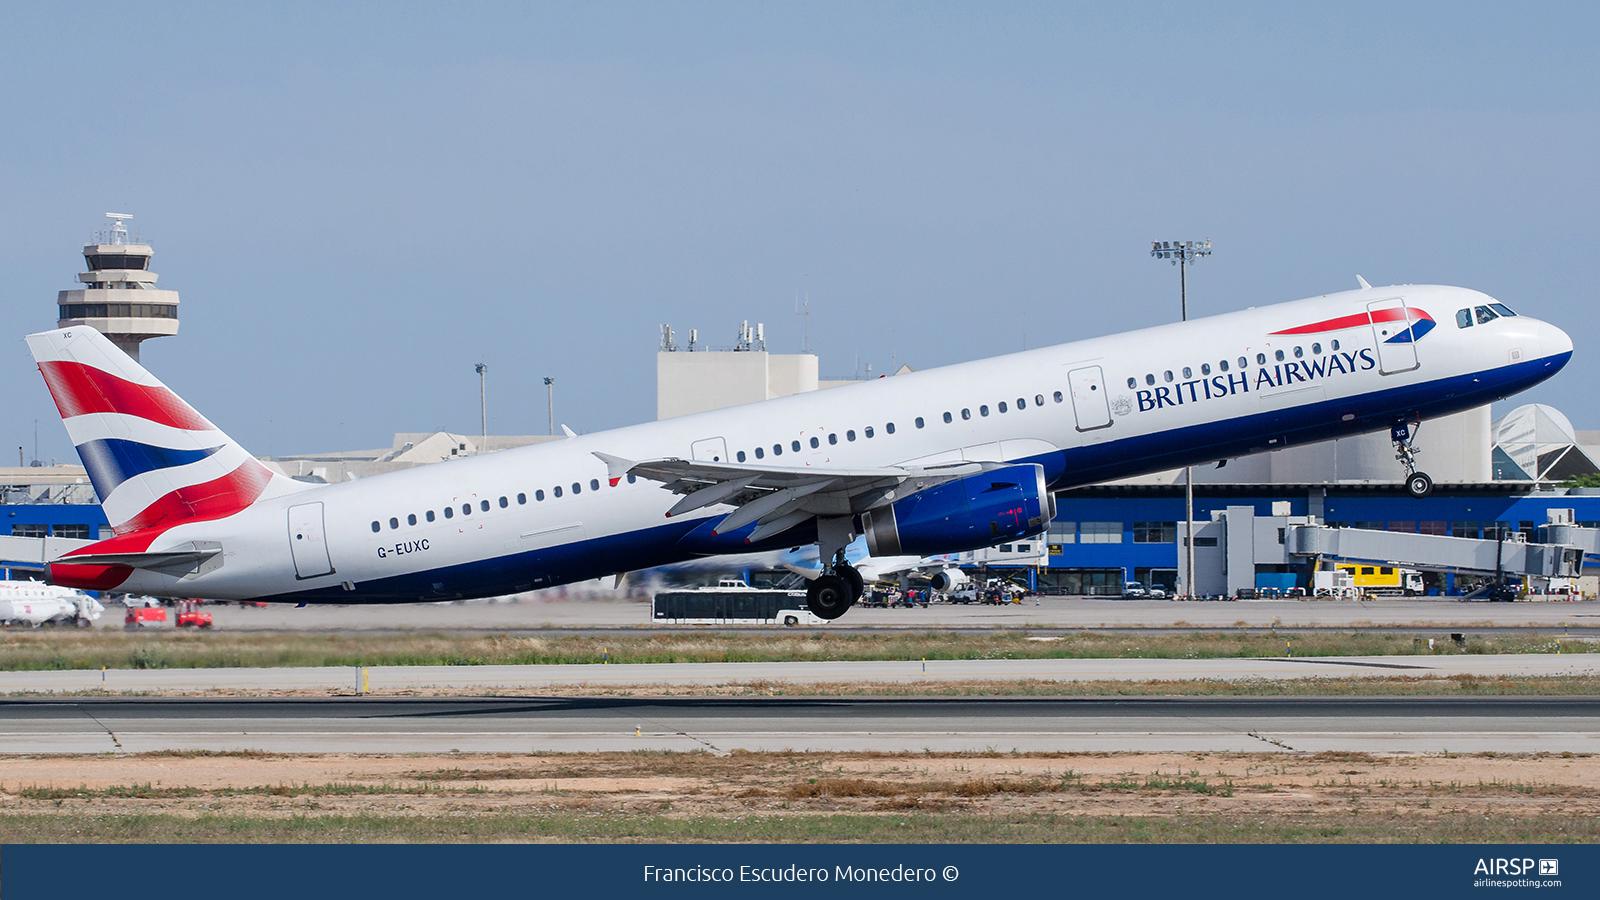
(965, 514)
(948, 579)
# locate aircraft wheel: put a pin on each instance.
(853, 580)
(1419, 485)
(828, 596)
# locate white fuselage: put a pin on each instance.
(1142, 405)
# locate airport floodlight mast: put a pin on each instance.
(483, 402)
(1181, 254)
(550, 401)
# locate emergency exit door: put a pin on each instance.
(307, 542)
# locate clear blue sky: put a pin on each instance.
(358, 202)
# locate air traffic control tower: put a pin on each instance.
(119, 298)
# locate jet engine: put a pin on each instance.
(948, 579)
(968, 513)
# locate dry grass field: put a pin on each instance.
(782, 797)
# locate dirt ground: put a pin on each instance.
(778, 784)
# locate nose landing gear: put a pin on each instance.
(1404, 436)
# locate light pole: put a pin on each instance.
(483, 403)
(550, 401)
(1181, 254)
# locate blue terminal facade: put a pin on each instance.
(1104, 536)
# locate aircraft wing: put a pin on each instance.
(778, 498)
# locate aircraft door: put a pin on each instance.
(307, 542)
(1089, 402)
(1391, 326)
(709, 450)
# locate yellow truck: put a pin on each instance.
(1384, 581)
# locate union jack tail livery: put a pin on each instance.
(155, 463)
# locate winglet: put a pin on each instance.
(568, 431)
(616, 466)
(1363, 281)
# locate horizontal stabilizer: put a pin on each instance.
(179, 561)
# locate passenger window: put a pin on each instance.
(411, 518)
(966, 414)
(449, 512)
(577, 488)
(522, 499)
(795, 446)
(740, 455)
(376, 527)
(1038, 399)
(815, 443)
(867, 431)
(1205, 369)
(1316, 349)
(1278, 354)
(760, 453)
(466, 509)
(919, 423)
(1486, 315)
(483, 505)
(428, 515)
(983, 410)
(1133, 383)
(889, 427)
(504, 503)
(833, 438)
(1463, 318)
(394, 523)
(632, 478)
(1223, 365)
(777, 449)
(849, 435)
(1149, 379)
(594, 485)
(1002, 406)
(1261, 359)
(1167, 376)
(539, 496)
(1059, 397)
(556, 490)
(1334, 344)
(1187, 373)
(1298, 353)
(1502, 309)
(1022, 403)
(1244, 362)
(947, 418)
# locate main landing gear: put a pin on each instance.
(1404, 436)
(831, 595)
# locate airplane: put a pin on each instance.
(937, 461)
(35, 603)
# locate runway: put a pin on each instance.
(722, 725)
(651, 677)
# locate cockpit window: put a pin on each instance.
(1463, 318)
(1502, 309)
(1486, 315)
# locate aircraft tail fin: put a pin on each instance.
(154, 461)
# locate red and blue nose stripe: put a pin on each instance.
(1420, 323)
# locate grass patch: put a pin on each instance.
(57, 649)
(912, 827)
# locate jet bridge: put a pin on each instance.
(1437, 553)
(1237, 544)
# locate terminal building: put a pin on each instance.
(1492, 478)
